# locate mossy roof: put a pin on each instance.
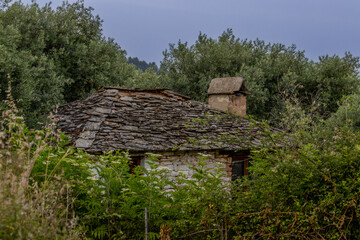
(142, 120)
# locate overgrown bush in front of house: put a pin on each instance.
(50, 190)
(32, 209)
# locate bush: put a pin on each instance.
(51, 190)
(307, 188)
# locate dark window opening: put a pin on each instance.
(134, 162)
(239, 165)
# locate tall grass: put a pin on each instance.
(29, 210)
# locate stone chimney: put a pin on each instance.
(228, 94)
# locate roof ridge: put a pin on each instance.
(165, 91)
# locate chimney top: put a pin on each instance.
(228, 94)
(229, 85)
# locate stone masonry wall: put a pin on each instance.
(180, 162)
(235, 104)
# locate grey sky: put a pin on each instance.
(144, 28)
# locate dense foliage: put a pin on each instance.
(302, 185)
(54, 56)
(348, 113)
(33, 209)
(65, 193)
(304, 181)
(306, 189)
(273, 73)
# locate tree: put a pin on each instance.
(273, 73)
(335, 78)
(348, 113)
(56, 56)
(142, 65)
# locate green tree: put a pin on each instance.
(348, 113)
(273, 73)
(142, 65)
(335, 78)
(54, 56)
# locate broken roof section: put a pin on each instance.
(143, 120)
(229, 85)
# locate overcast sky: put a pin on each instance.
(144, 28)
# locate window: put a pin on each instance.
(239, 165)
(134, 162)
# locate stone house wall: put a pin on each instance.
(180, 162)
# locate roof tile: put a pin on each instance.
(151, 120)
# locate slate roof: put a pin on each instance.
(143, 120)
(229, 85)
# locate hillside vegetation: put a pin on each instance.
(142, 65)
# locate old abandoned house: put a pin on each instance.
(164, 122)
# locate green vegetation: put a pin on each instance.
(273, 73)
(51, 191)
(348, 113)
(55, 56)
(304, 183)
(33, 209)
(142, 65)
(306, 188)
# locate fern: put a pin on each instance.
(100, 232)
(153, 235)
